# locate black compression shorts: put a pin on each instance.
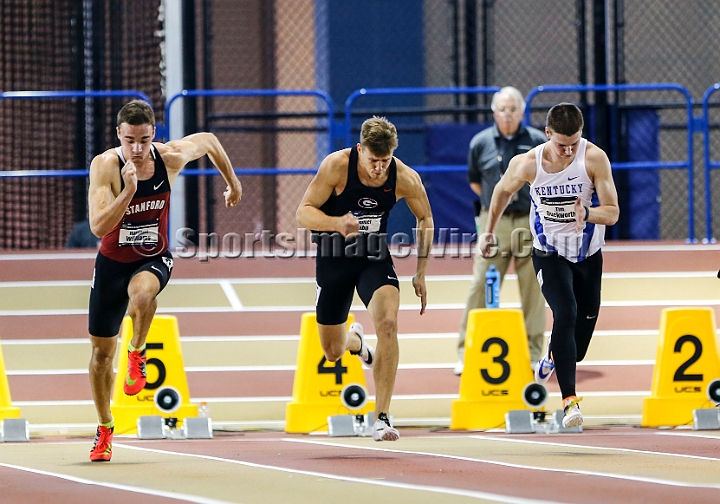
(109, 294)
(337, 279)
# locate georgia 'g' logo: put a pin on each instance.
(367, 203)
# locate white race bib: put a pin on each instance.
(369, 223)
(561, 209)
(139, 233)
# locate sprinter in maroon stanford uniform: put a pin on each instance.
(129, 200)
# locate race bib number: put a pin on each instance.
(369, 223)
(558, 209)
(139, 233)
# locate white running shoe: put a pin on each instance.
(460, 366)
(544, 367)
(383, 431)
(573, 417)
(366, 352)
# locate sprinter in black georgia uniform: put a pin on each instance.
(347, 206)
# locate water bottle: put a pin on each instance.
(492, 287)
(203, 410)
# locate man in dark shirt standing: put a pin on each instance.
(490, 153)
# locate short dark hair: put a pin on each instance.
(379, 136)
(565, 119)
(136, 113)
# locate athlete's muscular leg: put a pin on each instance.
(383, 308)
(101, 374)
(335, 340)
(143, 289)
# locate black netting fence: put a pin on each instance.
(338, 47)
(36, 135)
(63, 45)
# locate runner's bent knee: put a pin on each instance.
(386, 326)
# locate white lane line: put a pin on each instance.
(116, 486)
(601, 448)
(661, 274)
(403, 307)
(43, 342)
(226, 339)
(47, 283)
(629, 362)
(79, 402)
(309, 280)
(399, 397)
(650, 247)
(694, 247)
(348, 479)
(690, 434)
(292, 337)
(640, 479)
(45, 372)
(47, 257)
(288, 367)
(231, 295)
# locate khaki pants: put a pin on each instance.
(532, 300)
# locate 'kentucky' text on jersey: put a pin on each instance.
(552, 213)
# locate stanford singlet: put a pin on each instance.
(142, 232)
(371, 205)
(552, 213)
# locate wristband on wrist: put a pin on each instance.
(587, 212)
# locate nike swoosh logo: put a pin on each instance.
(387, 190)
(541, 375)
(155, 187)
(391, 278)
(590, 317)
(573, 178)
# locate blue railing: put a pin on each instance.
(303, 171)
(687, 164)
(403, 91)
(36, 95)
(709, 163)
(334, 127)
(255, 93)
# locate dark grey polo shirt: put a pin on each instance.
(489, 156)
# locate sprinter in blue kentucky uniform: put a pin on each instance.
(573, 199)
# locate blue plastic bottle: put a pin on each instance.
(492, 287)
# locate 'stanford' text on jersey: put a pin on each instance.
(142, 232)
(552, 212)
(371, 206)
